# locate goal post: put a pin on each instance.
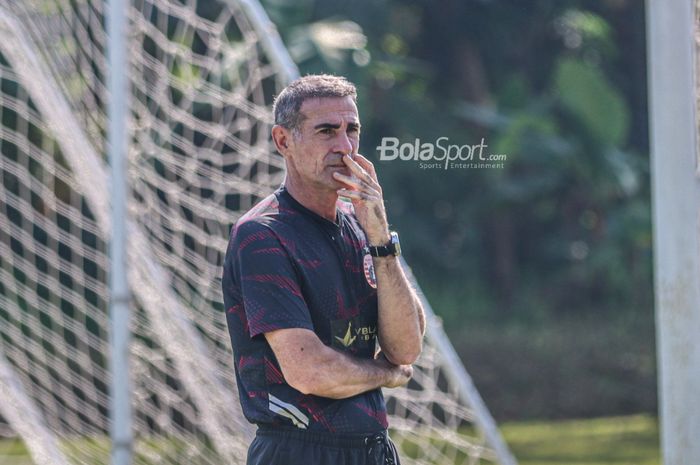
(675, 173)
(202, 76)
(121, 424)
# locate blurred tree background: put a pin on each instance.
(541, 270)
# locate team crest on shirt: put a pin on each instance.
(369, 271)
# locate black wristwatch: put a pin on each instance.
(393, 247)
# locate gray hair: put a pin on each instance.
(287, 106)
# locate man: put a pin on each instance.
(311, 284)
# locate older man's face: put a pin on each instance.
(330, 129)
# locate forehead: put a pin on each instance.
(329, 110)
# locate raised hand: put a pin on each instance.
(366, 195)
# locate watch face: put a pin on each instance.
(395, 243)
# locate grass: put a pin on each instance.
(631, 440)
(13, 452)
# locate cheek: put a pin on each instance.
(311, 158)
(318, 155)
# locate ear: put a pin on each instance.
(282, 137)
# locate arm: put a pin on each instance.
(401, 315)
(311, 367)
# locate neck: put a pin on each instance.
(320, 201)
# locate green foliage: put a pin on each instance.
(570, 368)
(563, 230)
(586, 93)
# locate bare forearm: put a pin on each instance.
(311, 367)
(401, 316)
(339, 376)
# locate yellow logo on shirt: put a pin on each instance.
(348, 339)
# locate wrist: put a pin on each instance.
(389, 373)
(378, 237)
(391, 246)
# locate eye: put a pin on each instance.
(327, 131)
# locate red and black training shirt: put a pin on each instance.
(287, 267)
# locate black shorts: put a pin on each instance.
(281, 446)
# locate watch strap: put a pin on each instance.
(391, 248)
(380, 250)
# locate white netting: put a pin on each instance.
(201, 89)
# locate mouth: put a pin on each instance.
(342, 169)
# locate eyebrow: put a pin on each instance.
(336, 126)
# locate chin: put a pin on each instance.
(327, 183)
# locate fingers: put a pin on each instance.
(404, 375)
(356, 183)
(358, 170)
(362, 188)
(363, 179)
(366, 164)
(357, 195)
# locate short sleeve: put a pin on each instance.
(269, 283)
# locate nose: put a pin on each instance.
(343, 144)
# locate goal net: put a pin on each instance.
(202, 77)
